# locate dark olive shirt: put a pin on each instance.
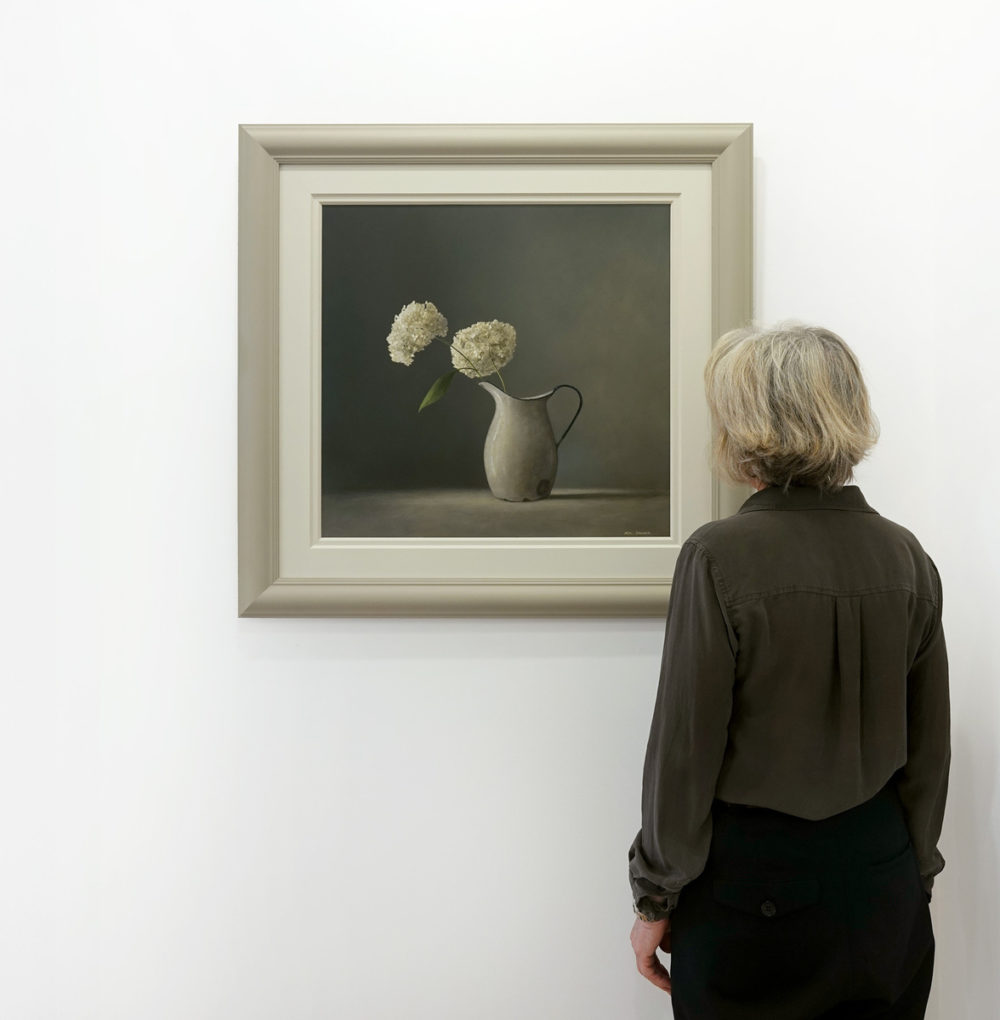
(804, 666)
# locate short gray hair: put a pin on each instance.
(789, 406)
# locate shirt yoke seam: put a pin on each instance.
(796, 589)
(811, 506)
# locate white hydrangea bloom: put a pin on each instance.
(483, 348)
(417, 324)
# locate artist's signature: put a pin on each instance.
(631, 534)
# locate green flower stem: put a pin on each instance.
(499, 376)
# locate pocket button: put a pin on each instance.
(768, 909)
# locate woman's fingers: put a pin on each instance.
(646, 938)
(654, 971)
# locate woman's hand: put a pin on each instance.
(647, 937)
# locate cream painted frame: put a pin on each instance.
(285, 567)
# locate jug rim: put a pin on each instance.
(510, 396)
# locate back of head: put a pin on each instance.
(789, 407)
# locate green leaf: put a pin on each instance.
(438, 390)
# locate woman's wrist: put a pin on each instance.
(651, 910)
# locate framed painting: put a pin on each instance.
(470, 362)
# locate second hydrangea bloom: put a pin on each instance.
(483, 348)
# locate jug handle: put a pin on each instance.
(566, 386)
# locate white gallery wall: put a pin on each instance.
(211, 818)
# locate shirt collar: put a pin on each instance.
(807, 497)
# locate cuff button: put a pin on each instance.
(768, 909)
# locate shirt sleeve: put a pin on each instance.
(688, 735)
(923, 781)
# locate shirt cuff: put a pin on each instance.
(648, 908)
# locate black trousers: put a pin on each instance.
(804, 920)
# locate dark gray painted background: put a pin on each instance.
(585, 285)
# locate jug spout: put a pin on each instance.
(493, 391)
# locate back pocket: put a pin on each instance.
(769, 937)
(768, 899)
(888, 863)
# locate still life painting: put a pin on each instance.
(496, 370)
